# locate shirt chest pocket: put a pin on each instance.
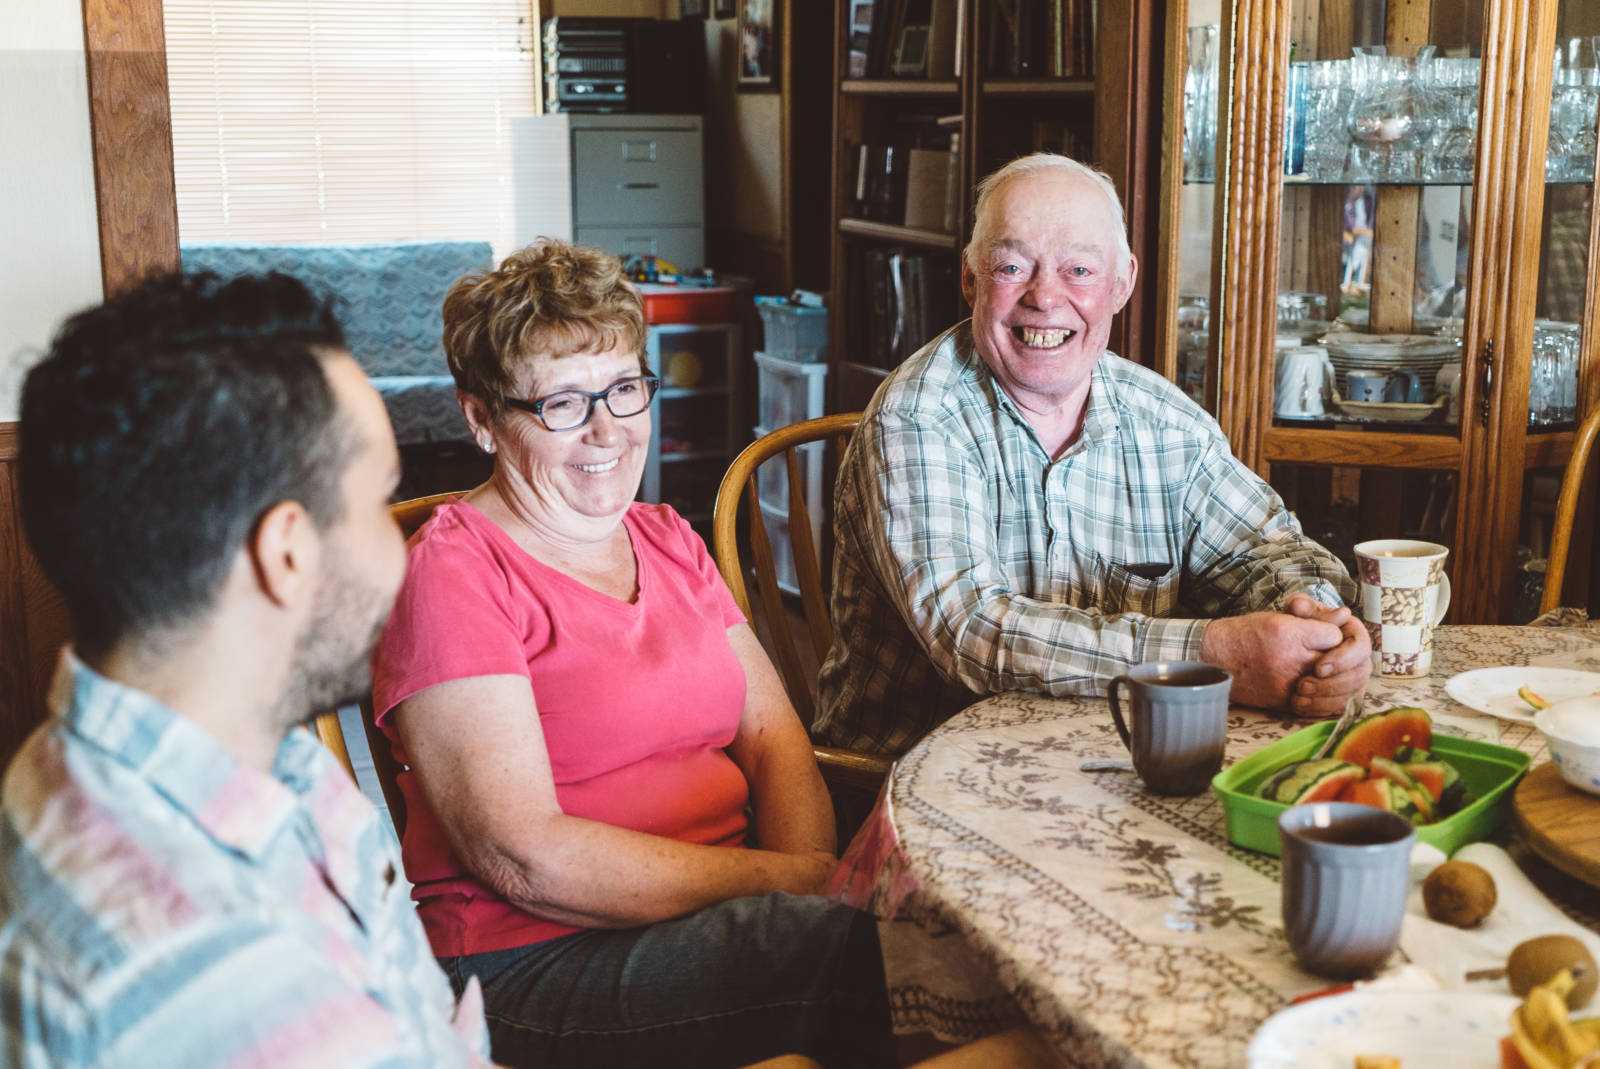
(1147, 587)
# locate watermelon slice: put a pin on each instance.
(1384, 768)
(1382, 735)
(1320, 780)
(1373, 792)
(1416, 794)
(1431, 776)
(1386, 794)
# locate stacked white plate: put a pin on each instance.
(1423, 354)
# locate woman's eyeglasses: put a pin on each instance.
(571, 409)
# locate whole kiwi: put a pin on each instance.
(1459, 893)
(1537, 960)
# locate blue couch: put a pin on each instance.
(389, 297)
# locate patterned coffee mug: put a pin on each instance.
(1404, 595)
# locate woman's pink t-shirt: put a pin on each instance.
(636, 701)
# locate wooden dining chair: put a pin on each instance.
(1566, 511)
(860, 771)
(409, 516)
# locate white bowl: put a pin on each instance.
(1571, 729)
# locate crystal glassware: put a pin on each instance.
(1327, 112)
(1200, 104)
(1391, 114)
(1454, 143)
(1574, 98)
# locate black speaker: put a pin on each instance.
(667, 66)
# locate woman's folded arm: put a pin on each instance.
(479, 755)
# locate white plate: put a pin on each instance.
(1456, 1028)
(1494, 690)
(1394, 411)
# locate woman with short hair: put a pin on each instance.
(588, 718)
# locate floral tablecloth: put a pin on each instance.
(1012, 883)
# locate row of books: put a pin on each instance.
(906, 38)
(910, 185)
(925, 38)
(907, 299)
(1041, 38)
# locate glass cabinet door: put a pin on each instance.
(1382, 282)
(1200, 44)
(1562, 384)
(1378, 153)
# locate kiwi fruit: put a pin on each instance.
(1536, 961)
(1459, 893)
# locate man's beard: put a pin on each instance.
(333, 655)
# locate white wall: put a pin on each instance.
(49, 243)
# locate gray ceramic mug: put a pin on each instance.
(1176, 726)
(1345, 875)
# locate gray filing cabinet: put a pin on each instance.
(638, 186)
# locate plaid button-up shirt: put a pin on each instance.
(164, 904)
(968, 562)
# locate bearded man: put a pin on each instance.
(186, 876)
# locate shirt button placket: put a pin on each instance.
(1057, 518)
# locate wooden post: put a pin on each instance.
(129, 115)
(1506, 214)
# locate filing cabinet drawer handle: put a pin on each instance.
(640, 185)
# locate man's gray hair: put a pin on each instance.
(982, 224)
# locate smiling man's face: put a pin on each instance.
(1045, 286)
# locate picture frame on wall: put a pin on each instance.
(758, 45)
(724, 9)
(692, 9)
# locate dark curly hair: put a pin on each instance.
(159, 428)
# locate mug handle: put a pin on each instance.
(1444, 599)
(1116, 712)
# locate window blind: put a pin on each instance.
(347, 120)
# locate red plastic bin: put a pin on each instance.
(688, 304)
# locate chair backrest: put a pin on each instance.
(741, 479)
(1566, 510)
(409, 516)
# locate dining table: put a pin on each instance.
(1015, 879)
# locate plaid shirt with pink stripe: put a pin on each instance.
(163, 904)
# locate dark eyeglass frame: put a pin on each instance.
(536, 407)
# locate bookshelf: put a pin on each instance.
(982, 108)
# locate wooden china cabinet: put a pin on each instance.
(1393, 186)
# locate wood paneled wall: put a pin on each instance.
(33, 621)
(138, 213)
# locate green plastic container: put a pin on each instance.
(1489, 772)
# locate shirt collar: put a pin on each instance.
(240, 807)
(1100, 423)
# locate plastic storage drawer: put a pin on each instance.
(772, 477)
(793, 331)
(777, 522)
(788, 391)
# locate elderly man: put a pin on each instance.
(1023, 510)
(185, 878)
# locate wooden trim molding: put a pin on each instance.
(1124, 151)
(129, 114)
(1250, 196)
(1361, 449)
(33, 620)
(1503, 265)
(1163, 271)
(136, 201)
